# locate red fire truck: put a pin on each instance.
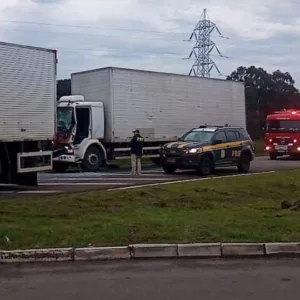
(282, 134)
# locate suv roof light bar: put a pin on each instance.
(216, 126)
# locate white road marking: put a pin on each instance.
(109, 179)
(40, 192)
(96, 175)
(187, 180)
(79, 183)
(8, 185)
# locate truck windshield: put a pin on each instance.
(65, 118)
(197, 136)
(283, 125)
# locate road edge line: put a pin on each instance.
(187, 181)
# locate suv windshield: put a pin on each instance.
(199, 136)
(65, 118)
(283, 125)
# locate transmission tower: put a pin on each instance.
(203, 64)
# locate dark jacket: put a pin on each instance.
(136, 145)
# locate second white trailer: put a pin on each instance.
(163, 106)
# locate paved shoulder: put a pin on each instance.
(169, 279)
(53, 183)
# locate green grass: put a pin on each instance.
(241, 209)
(259, 147)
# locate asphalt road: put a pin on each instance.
(54, 183)
(260, 279)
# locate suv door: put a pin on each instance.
(220, 150)
(234, 152)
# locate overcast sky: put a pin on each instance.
(149, 34)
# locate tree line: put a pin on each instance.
(265, 92)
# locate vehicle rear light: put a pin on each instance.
(295, 141)
(270, 140)
(298, 148)
(267, 148)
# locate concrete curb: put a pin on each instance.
(37, 255)
(199, 250)
(282, 248)
(101, 253)
(136, 251)
(153, 250)
(243, 249)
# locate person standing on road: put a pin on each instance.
(136, 145)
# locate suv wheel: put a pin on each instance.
(206, 166)
(244, 164)
(273, 156)
(168, 169)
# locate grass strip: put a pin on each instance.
(240, 209)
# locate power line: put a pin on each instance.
(172, 53)
(133, 37)
(75, 50)
(88, 27)
(87, 34)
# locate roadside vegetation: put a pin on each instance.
(241, 209)
(259, 147)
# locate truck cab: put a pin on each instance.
(80, 126)
(80, 138)
(282, 133)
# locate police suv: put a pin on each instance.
(207, 148)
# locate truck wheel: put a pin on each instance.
(2, 171)
(169, 170)
(93, 160)
(28, 179)
(206, 166)
(60, 167)
(244, 163)
(273, 156)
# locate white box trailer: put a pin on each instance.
(162, 106)
(27, 111)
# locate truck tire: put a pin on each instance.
(2, 171)
(93, 160)
(273, 156)
(60, 167)
(244, 163)
(28, 179)
(206, 166)
(168, 169)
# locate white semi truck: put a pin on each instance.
(27, 112)
(107, 104)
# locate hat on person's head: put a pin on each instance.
(136, 131)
